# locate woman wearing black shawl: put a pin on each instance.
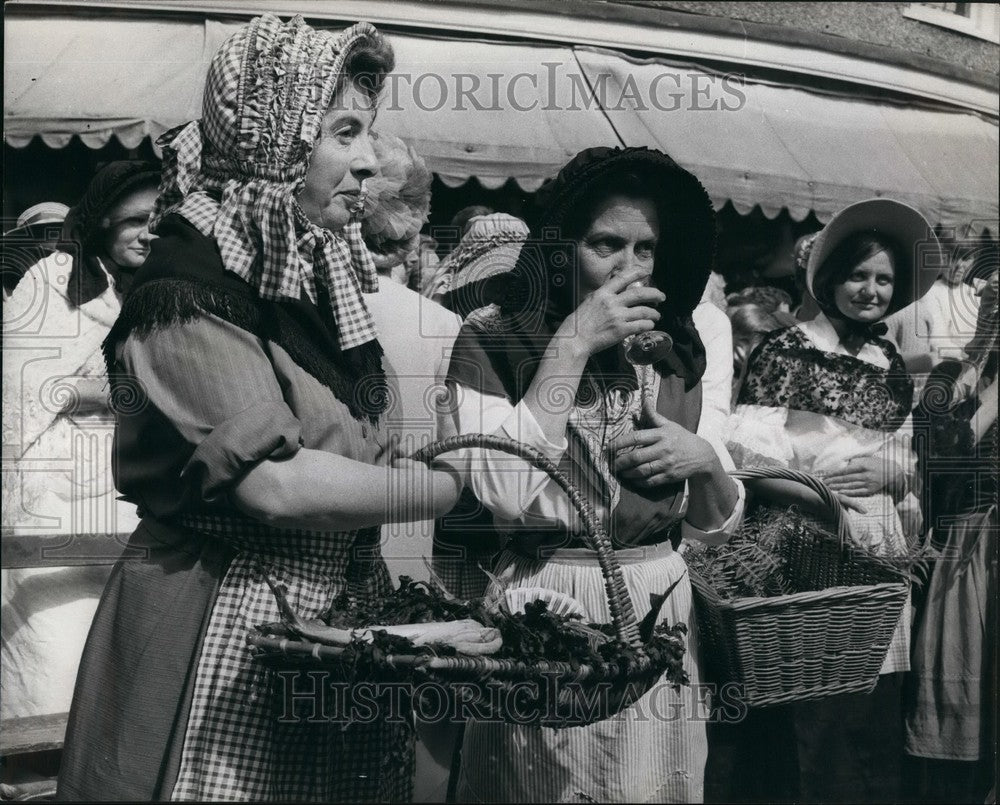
(550, 369)
(250, 396)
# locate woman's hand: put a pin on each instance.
(665, 452)
(850, 502)
(662, 453)
(612, 313)
(605, 318)
(866, 476)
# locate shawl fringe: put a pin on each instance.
(161, 303)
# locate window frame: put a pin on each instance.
(983, 21)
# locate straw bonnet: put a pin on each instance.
(918, 249)
(47, 212)
(487, 252)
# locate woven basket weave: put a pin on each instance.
(805, 645)
(558, 706)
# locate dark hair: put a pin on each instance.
(847, 256)
(750, 320)
(750, 323)
(629, 184)
(764, 296)
(460, 220)
(367, 65)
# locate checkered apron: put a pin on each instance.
(237, 746)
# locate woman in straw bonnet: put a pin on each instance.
(249, 388)
(831, 397)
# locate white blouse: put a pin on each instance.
(819, 444)
(812, 442)
(520, 495)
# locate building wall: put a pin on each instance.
(874, 23)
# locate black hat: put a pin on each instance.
(690, 240)
(83, 223)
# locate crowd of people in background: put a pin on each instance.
(781, 369)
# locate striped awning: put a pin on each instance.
(506, 110)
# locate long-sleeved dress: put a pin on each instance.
(655, 750)
(168, 703)
(57, 479)
(809, 405)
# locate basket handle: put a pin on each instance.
(815, 484)
(619, 602)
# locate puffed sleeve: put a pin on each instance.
(215, 385)
(718, 536)
(717, 383)
(756, 433)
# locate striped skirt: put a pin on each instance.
(654, 751)
(879, 529)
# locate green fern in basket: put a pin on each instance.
(757, 561)
(753, 563)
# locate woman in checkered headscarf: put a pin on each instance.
(247, 378)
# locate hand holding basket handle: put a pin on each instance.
(828, 635)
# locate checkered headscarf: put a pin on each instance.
(235, 173)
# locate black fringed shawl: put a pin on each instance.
(184, 276)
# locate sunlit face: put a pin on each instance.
(866, 293)
(623, 235)
(342, 158)
(126, 226)
(402, 254)
(412, 259)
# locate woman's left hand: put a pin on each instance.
(864, 477)
(662, 453)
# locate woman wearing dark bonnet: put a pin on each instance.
(623, 243)
(247, 377)
(56, 412)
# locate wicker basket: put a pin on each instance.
(806, 645)
(554, 694)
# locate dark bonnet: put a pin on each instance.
(684, 256)
(82, 227)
